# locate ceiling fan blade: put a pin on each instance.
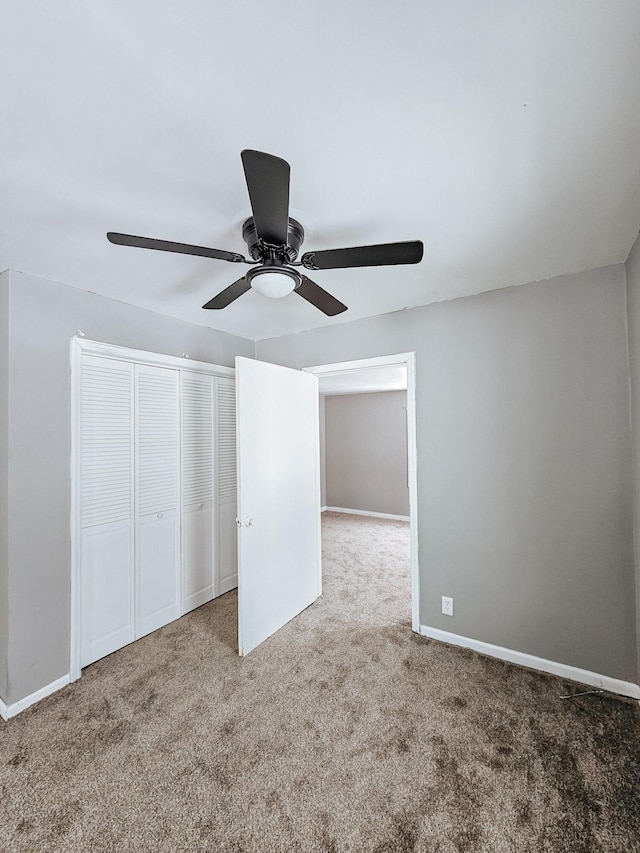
(383, 254)
(314, 294)
(268, 184)
(227, 296)
(179, 248)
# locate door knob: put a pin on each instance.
(250, 522)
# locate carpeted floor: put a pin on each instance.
(343, 732)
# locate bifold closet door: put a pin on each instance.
(106, 503)
(198, 523)
(157, 489)
(226, 486)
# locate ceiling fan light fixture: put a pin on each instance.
(274, 283)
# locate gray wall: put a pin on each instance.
(366, 452)
(4, 480)
(633, 316)
(524, 461)
(43, 318)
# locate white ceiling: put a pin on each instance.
(504, 134)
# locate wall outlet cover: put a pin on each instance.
(447, 606)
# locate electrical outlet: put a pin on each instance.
(447, 606)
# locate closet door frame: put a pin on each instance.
(79, 346)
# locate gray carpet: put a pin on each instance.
(344, 732)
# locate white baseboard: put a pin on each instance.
(196, 599)
(8, 711)
(228, 584)
(572, 673)
(365, 512)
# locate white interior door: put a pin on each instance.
(279, 566)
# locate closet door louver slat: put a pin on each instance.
(106, 455)
(226, 441)
(157, 439)
(197, 439)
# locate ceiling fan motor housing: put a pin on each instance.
(262, 251)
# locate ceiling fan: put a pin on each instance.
(273, 239)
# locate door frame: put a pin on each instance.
(79, 345)
(409, 359)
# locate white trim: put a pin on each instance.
(227, 585)
(74, 647)
(7, 712)
(408, 358)
(195, 600)
(146, 357)
(572, 673)
(359, 364)
(412, 465)
(323, 509)
(316, 427)
(366, 512)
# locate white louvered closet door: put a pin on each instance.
(157, 575)
(197, 407)
(106, 504)
(226, 490)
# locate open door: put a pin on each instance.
(279, 563)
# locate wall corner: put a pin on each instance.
(632, 274)
(4, 485)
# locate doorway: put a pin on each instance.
(384, 373)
